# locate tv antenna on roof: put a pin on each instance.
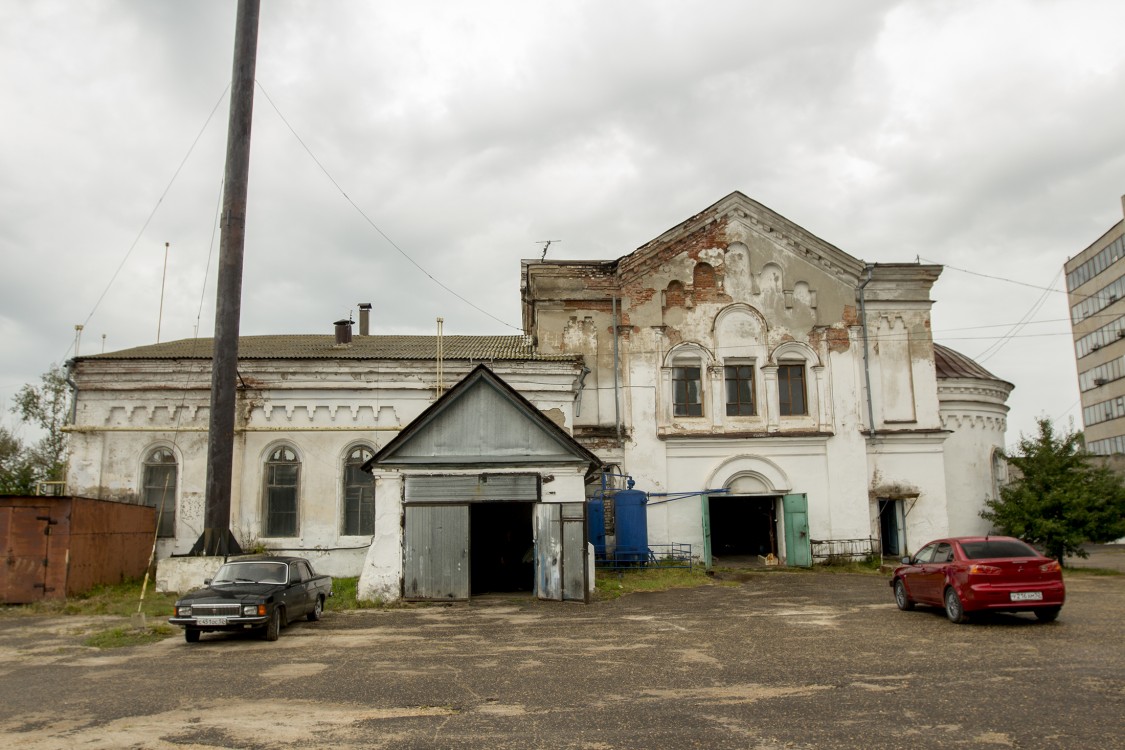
(546, 244)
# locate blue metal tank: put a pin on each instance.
(631, 515)
(596, 518)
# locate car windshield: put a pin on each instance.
(251, 572)
(989, 549)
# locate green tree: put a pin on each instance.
(46, 407)
(17, 476)
(1060, 498)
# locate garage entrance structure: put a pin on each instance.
(481, 493)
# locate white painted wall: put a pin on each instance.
(321, 408)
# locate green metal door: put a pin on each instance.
(798, 546)
(706, 532)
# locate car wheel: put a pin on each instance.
(273, 628)
(1047, 614)
(902, 599)
(317, 610)
(191, 635)
(953, 607)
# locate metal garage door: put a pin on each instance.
(436, 564)
(561, 551)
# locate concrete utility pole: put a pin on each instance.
(217, 539)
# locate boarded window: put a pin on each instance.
(282, 473)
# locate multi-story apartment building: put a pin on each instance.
(1095, 283)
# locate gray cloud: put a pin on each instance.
(983, 136)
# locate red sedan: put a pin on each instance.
(978, 573)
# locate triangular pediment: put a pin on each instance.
(482, 421)
(738, 219)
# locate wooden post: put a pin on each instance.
(224, 365)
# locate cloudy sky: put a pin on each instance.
(399, 148)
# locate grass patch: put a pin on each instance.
(345, 596)
(611, 584)
(128, 636)
(119, 599)
(1091, 572)
(867, 566)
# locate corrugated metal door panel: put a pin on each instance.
(436, 564)
(574, 552)
(548, 551)
(465, 488)
(23, 569)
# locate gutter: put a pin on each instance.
(867, 349)
(579, 390)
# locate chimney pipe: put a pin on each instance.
(364, 318)
(343, 332)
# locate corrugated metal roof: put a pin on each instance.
(316, 346)
(951, 364)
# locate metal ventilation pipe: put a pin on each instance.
(364, 318)
(343, 332)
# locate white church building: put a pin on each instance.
(772, 394)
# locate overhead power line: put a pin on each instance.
(368, 219)
(151, 214)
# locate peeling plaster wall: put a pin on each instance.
(740, 284)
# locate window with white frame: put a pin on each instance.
(687, 388)
(282, 473)
(159, 489)
(359, 494)
(791, 393)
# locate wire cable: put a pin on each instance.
(151, 214)
(368, 219)
(1003, 341)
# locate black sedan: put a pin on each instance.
(259, 593)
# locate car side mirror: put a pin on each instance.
(206, 581)
(906, 560)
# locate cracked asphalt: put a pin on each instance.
(761, 661)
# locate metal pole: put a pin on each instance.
(228, 303)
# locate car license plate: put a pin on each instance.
(223, 620)
(1027, 596)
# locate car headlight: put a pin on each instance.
(183, 610)
(253, 610)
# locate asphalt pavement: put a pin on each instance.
(762, 661)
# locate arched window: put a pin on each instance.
(359, 494)
(283, 470)
(159, 489)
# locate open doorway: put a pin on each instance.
(501, 548)
(892, 528)
(743, 526)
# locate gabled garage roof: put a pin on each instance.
(482, 421)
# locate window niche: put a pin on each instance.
(282, 474)
(158, 488)
(359, 495)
